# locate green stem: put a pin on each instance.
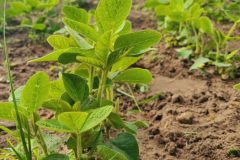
(91, 78)
(133, 97)
(39, 135)
(101, 87)
(230, 32)
(19, 123)
(197, 40)
(79, 146)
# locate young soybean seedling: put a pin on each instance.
(101, 48)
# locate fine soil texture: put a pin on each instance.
(195, 117)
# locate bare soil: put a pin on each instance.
(197, 118)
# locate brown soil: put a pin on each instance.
(197, 118)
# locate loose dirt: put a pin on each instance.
(196, 118)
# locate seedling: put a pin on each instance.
(100, 53)
(35, 15)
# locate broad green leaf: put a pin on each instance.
(199, 63)
(83, 29)
(6, 111)
(73, 120)
(206, 25)
(20, 7)
(56, 89)
(17, 93)
(56, 157)
(114, 56)
(82, 43)
(35, 91)
(71, 57)
(127, 28)
(126, 144)
(185, 53)
(76, 14)
(107, 153)
(178, 16)
(124, 63)
(110, 14)
(103, 46)
(162, 10)
(39, 26)
(96, 117)
(54, 125)
(59, 41)
(137, 41)
(76, 87)
(118, 123)
(53, 56)
(57, 105)
(91, 61)
(134, 75)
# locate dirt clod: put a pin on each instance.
(185, 118)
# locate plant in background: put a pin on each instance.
(34, 14)
(97, 55)
(196, 35)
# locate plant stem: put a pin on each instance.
(230, 32)
(101, 87)
(79, 146)
(133, 97)
(39, 135)
(19, 123)
(91, 78)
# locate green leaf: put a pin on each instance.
(56, 89)
(206, 25)
(17, 93)
(56, 157)
(137, 41)
(199, 63)
(110, 14)
(162, 10)
(134, 75)
(124, 63)
(53, 56)
(126, 144)
(54, 125)
(118, 123)
(82, 43)
(57, 105)
(185, 53)
(178, 16)
(232, 54)
(96, 117)
(83, 29)
(35, 91)
(59, 41)
(73, 120)
(107, 153)
(76, 87)
(71, 56)
(91, 61)
(237, 86)
(76, 14)
(103, 46)
(127, 28)
(6, 111)
(114, 56)
(20, 7)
